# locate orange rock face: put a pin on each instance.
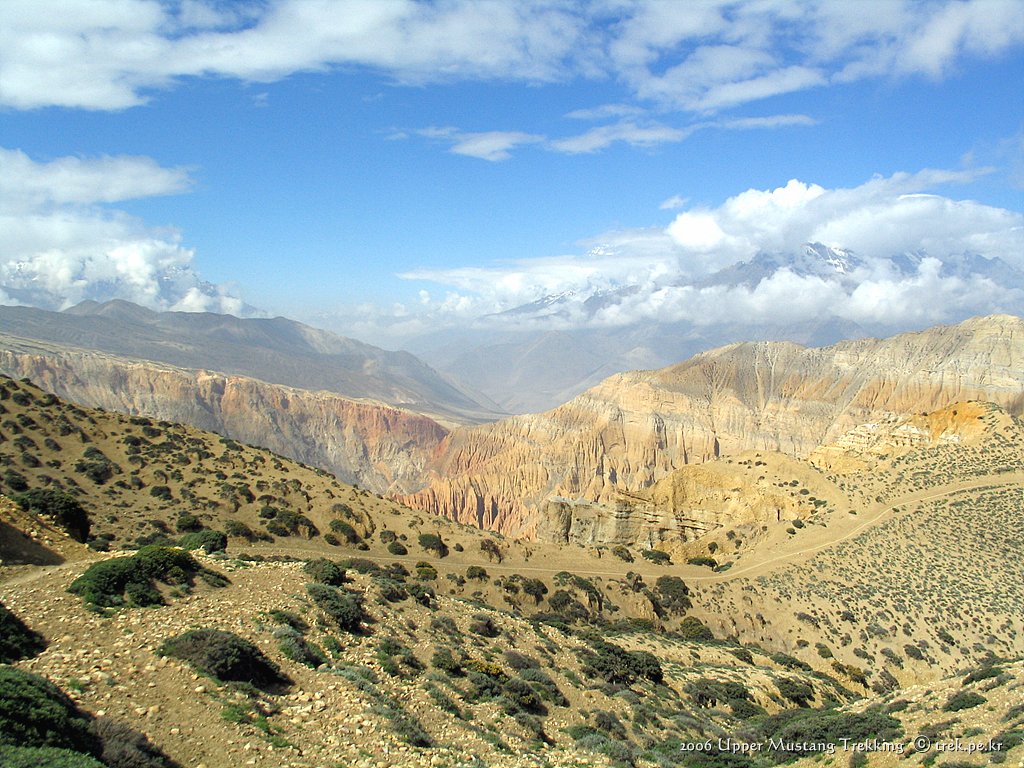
(635, 428)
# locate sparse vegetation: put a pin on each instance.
(225, 657)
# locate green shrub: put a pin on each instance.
(425, 571)
(693, 629)
(490, 548)
(423, 594)
(124, 747)
(188, 523)
(46, 757)
(964, 700)
(804, 726)
(477, 573)
(403, 725)
(483, 625)
(325, 571)
(17, 641)
(295, 647)
(36, 713)
(710, 562)
(65, 510)
(790, 662)
(345, 531)
(657, 556)
(673, 594)
(206, 540)
(544, 685)
(520, 696)
(343, 607)
(445, 660)
(240, 530)
(433, 542)
(394, 657)
(15, 481)
(99, 471)
(797, 691)
(397, 548)
(622, 553)
(613, 664)
(130, 580)
(225, 657)
(289, 619)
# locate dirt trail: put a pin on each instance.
(762, 567)
(688, 573)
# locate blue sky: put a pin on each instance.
(347, 163)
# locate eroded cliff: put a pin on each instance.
(377, 446)
(637, 427)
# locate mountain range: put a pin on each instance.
(538, 355)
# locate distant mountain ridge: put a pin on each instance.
(535, 356)
(277, 351)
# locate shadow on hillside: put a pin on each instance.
(16, 548)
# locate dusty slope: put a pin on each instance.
(844, 598)
(636, 428)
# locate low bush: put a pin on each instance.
(345, 531)
(46, 757)
(36, 713)
(797, 691)
(803, 726)
(622, 553)
(124, 747)
(963, 700)
(186, 522)
(226, 657)
(445, 660)
(65, 510)
(693, 629)
(131, 580)
(397, 548)
(206, 540)
(673, 594)
(295, 647)
(613, 664)
(657, 556)
(17, 641)
(343, 607)
(433, 542)
(425, 571)
(710, 562)
(483, 625)
(325, 571)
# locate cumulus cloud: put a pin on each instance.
(699, 57)
(62, 245)
(914, 257)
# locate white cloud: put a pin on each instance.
(627, 132)
(60, 245)
(488, 145)
(695, 56)
(652, 275)
(672, 203)
(78, 181)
